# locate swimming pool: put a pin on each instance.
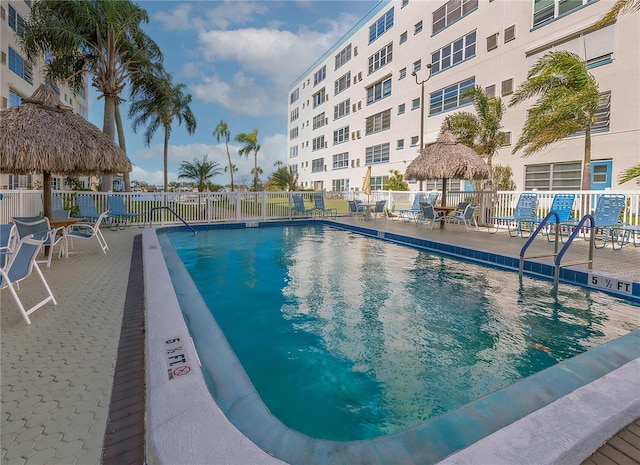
(431, 441)
(347, 337)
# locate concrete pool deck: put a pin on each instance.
(57, 372)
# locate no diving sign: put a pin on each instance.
(176, 357)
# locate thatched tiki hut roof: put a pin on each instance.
(43, 135)
(446, 158)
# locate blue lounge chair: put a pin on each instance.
(607, 217)
(525, 211)
(467, 216)
(356, 208)
(87, 207)
(562, 204)
(119, 215)
(413, 213)
(8, 238)
(318, 200)
(429, 214)
(299, 208)
(22, 263)
(57, 207)
(41, 230)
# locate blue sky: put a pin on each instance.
(237, 59)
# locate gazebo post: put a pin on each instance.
(46, 193)
(443, 202)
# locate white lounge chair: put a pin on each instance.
(22, 261)
(86, 230)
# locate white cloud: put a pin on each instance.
(235, 12)
(178, 19)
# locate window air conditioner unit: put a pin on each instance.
(509, 33)
(355, 51)
(492, 42)
(326, 144)
(359, 105)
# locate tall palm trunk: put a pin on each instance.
(255, 172)
(166, 157)
(109, 129)
(123, 146)
(230, 164)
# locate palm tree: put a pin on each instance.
(101, 37)
(284, 178)
(619, 8)
(250, 141)
(629, 174)
(222, 132)
(482, 131)
(155, 103)
(200, 171)
(568, 99)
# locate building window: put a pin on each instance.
(404, 3)
(341, 160)
(342, 83)
(16, 22)
(417, 66)
(293, 133)
(295, 95)
(319, 120)
(403, 37)
(383, 24)
(378, 122)
(317, 165)
(451, 12)
(602, 116)
(378, 182)
(20, 181)
(403, 74)
(401, 109)
(400, 144)
(417, 28)
(415, 103)
(341, 135)
(320, 75)
(317, 143)
(15, 99)
(381, 58)
(556, 176)
(341, 109)
(436, 185)
(19, 66)
(414, 140)
(454, 53)
(507, 87)
(319, 97)
(449, 97)
(295, 114)
(509, 33)
(340, 185)
(507, 139)
(379, 91)
(293, 152)
(490, 91)
(547, 10)
(377, 154)
(343, 56)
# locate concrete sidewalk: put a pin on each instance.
(57, 373)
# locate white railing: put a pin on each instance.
(210, 207)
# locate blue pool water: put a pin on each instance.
(347, 337)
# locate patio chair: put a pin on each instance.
(379, 208)
(87, 207)
(607, 217)
(119, 214)
(299, 207)
(8, 239)
(22, 263)
(87, 231)
(467, 216)
(429, 214)
(356, 208)
(562, 204)
(57, 207)
(525, 210)
(318, 200)
(413, 213)
(39, 227)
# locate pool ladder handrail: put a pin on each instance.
(551, 214)
(174, 213)
(559, 254)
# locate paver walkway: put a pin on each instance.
(57, 373)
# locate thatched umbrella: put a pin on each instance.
(446, 158)
(43, 135)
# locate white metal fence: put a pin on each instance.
(209, 207)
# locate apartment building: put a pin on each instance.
(360, 103)
(19, 79)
